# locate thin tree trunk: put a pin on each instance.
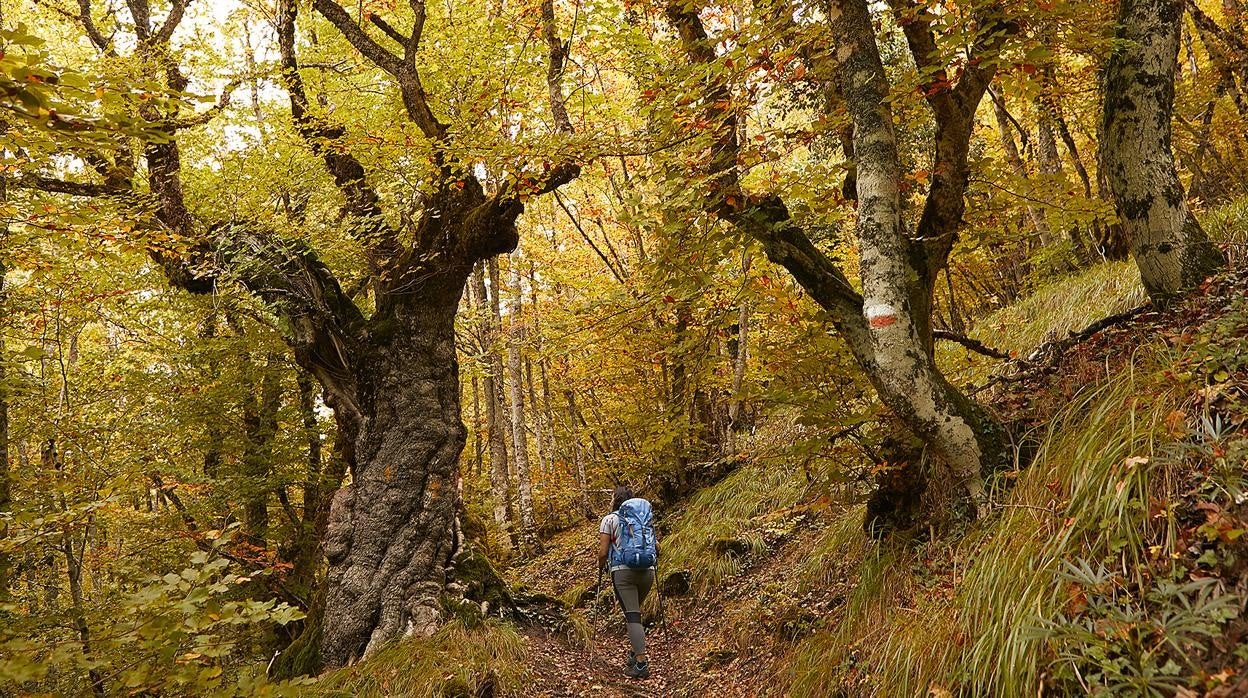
(260, 428)
(73, 567)
(322, 477)
(545, 448)
(534, 416)
(1015, 160)
(499, 482)
(6, 485)
(515, 385)
(478, 444)
(1169, 246)
(738, 352)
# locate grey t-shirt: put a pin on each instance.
(610, 525)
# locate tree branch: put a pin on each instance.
(1206, 24)
(52, 185)
(93, 32)
(765, 218)
(915, 21)
(970, 343)
(415, 100)
(204, 117)
(954, 109)
(141, 12)
(248, 563)
(388, 29)
(362, 202)
(172, 21)
(357, 37)
(558, 54)
(324, 326)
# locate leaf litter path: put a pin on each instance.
(564, 670)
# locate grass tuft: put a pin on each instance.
(970, 626)
(457, 661)
(734, 510)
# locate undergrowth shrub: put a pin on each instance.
(1124, 641)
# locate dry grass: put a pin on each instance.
(456, 661)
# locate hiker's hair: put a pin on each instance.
(622, 494)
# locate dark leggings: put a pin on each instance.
(631, 588)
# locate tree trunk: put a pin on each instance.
(499, 482)
(1169, 246)
(892, 344)
(519, 426)
(259, 428)
(321, 478)
(478, 444)
(393, 531)
(738, 352)
(6, 486)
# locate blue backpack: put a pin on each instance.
(636, 545)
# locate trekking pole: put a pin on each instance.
(658, 589)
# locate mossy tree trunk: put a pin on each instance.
(1168, 244)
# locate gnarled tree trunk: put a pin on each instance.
(1169, 246)
(393, 531)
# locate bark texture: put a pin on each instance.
(393, 531)
(906, 374)
(1171, 249)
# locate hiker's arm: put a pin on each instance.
(604, 543)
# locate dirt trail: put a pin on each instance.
(563, 670)
(714, 646)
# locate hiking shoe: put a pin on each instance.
(637, 670)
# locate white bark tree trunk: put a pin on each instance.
(515, 385)
(1168, 244)
(494, 412)
(905, 373)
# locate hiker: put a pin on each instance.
(627, 542)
